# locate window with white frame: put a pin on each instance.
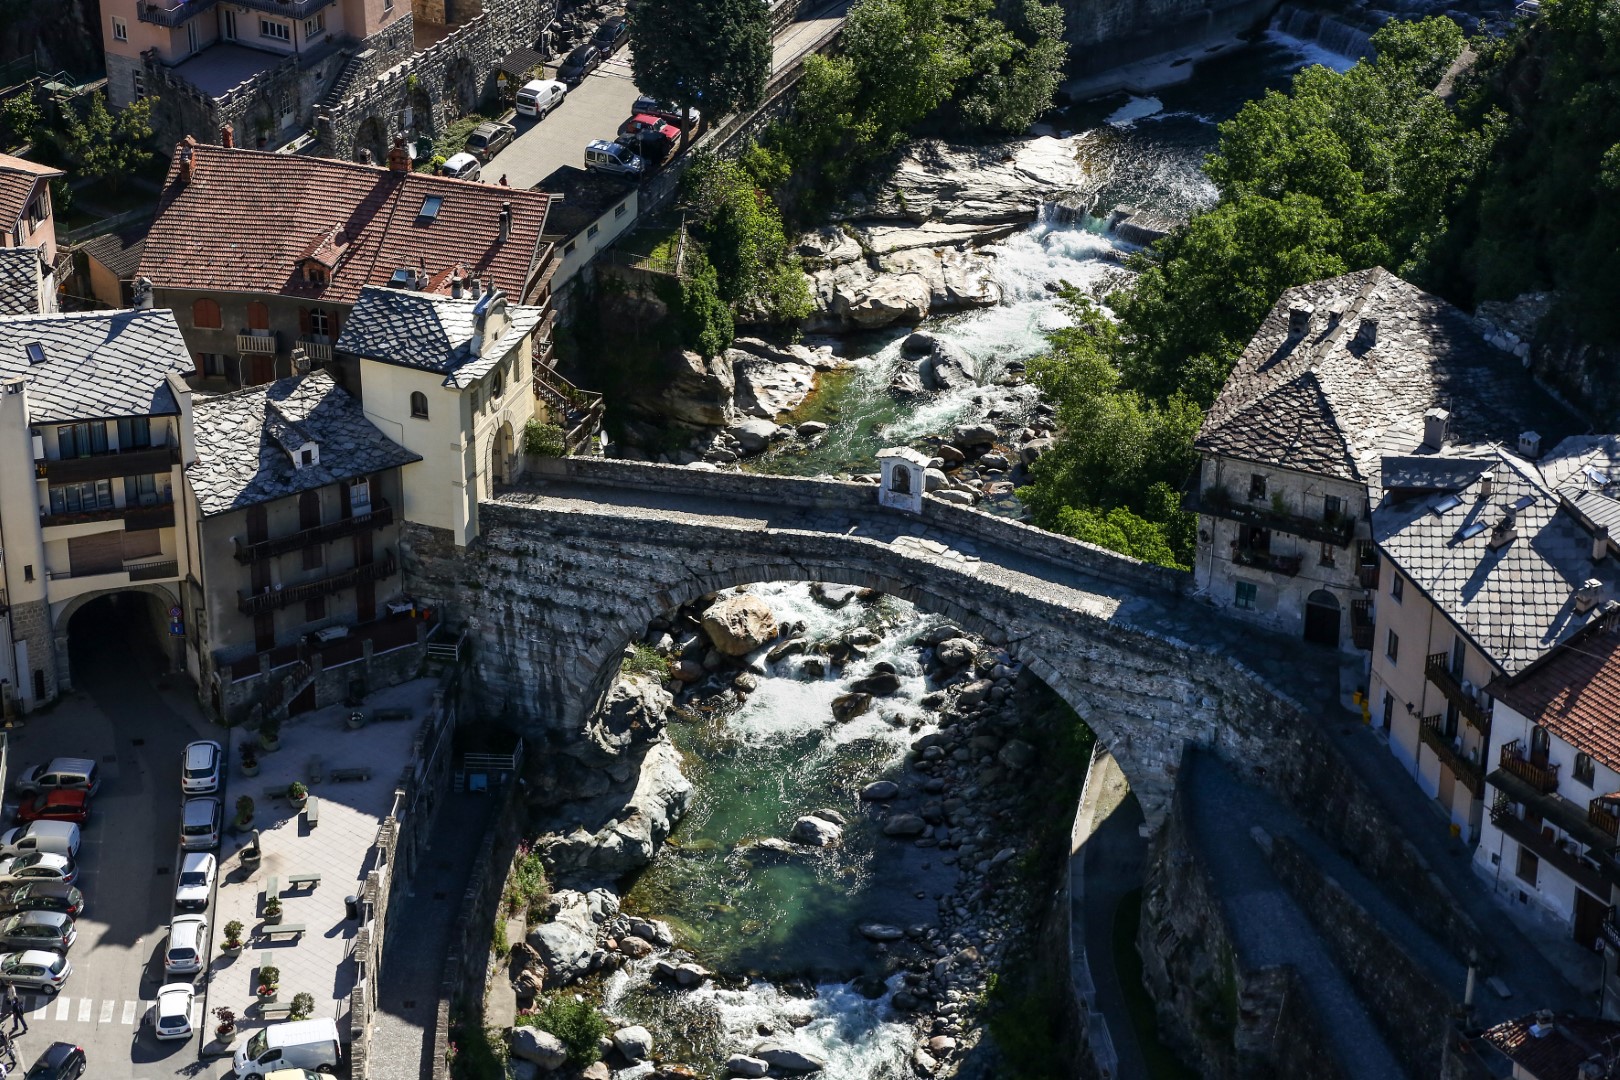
(277, 31)
(120, 29)
(314, 25)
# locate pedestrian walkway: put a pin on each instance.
(418, 939)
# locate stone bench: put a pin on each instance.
(314, 769)
(300, 880)
(312, 812)
(272, 930)
(272, 887)
(271, 1009)
(362, 773)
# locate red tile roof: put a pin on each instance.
(18, 177)
(1564, 1043)
(246, 220)
(1574, 691)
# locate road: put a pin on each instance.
(120, 718)
(596, 107)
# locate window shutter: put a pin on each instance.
(344, 500)
(303, 321)
(197, 358)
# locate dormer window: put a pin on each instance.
(307, 455)
(315, 273)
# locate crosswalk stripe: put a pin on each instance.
(107, 1011)
(85, 1005)
(37, 1004)
(129, 1012)
(62, 1008)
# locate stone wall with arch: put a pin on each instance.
(162, 597)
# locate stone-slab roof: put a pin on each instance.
(1325, 403)
(246, 219)
(21, 271)
(245, 441)
(1515, 600)
(430, 332)
(98, 364)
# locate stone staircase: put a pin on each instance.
(353, 68)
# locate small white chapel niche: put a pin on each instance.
(901, 471)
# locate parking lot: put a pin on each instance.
(592, 110)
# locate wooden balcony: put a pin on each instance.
(319, 352)
(147, 461)
(1603, 812)
(1438, 670)
(135, 518)
(1218, 502)
(256, 344)
(379, 516)
(1361, 623)
(1540, 775)
(276, 599)
(1470, 773)
(1369, 576)
(1564, 855)
(1265, 560)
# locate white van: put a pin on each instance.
(540, 96)
(57, 837)
(297, 1044)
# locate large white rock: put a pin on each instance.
(816, 832)
(635, 1043)
(566, 951)
(754, 434)
(540, 1047)
(768, 388)
(992, 184)
(745, 1066)
(739, 623)
(787, 1059)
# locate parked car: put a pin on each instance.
(295, 1044)
(61, 837)
(461, 166)
(60, 1061)
(62, 772)
(664, 110)
(40, 865)
(195, 882)
(606, 157)
(580, 63)
(489, 139)
(170, 1015)
(539, 96)
(38, 930)
(613, 32)
(653, 138)
(188, 934)
(71, 805)
(199, 824)
(35, 969)
(41, 896)
(200, 766)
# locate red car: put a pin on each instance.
(58, 804)
(646, 124)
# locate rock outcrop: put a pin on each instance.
(739, 623)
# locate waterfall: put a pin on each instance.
(1328, 31)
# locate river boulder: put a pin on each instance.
(566, 951)
(753, 435)
(635, 1043)
(904, 825)
(847, 707)
(540, 1047)
(695, 390)
(739, 623)
(906, 383)
(881, 932)
(878, 685)
(788, 1060)
(879, 790)
(634, 710)
(767, 388)
(618, 833)
(750, 1067)
(955, 652)
(816, 832)
(948, 367)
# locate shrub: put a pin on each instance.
(227, 1021)
(644, 660)
(527, 889)
(303, 1005)
(543, 440)
(498, 937)
(233, 933)
(269, 975)
(578, 1024)
(272, 907)
(296, 790)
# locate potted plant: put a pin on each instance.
(252, 853)
(269, 982)
(225, 1030)
(302, 1005)
(244, 811)
(297, 794)
(270, 733)
(272, 910)
(233, 937)
(355, 720)
(250, 759)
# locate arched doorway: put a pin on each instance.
(109, 639)
(1322, 618)
(372, 135)
(461, 91)
(503, 455)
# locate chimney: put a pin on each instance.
(1530, 444)
(1505, 533)
(142, 294)
(1299, 319)
(188, 164)
(362, 155)
(1487, 484)
(455, 284)
(399, 159)
(506, 222)
(227, 137)
(472, 280)
(300, 361)
(1366, 334)
(1434, 428)
(1588, 595)
(1600, 543)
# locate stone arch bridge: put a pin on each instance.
(571, 566)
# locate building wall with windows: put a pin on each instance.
(246, 339)
(1276, 546)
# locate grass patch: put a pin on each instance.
(527, 889)
(452, 142)
(645, 660)
(1161, 1063)
(503, 947)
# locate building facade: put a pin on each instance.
(94, 422)
(28, 249)
(292, 522)
(590, 213)
(247, 288)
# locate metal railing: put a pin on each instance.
(171, 15)
(276, 599)
(381, 515)
(1438, 670)
(154, 569)
(1433, 733)
(1265, 560)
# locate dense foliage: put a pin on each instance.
(575, 1022)
(109, 146)
(714, 55)
(755, 269)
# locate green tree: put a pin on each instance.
(1118, 530)
(905, 60)
(20, 120)
(705, 320)
(755, 268)
(1014, 63)
(108, 146)
(714, 55)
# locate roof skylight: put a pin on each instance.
(430, 208)
(36, 352)
(1447, 504)
(1472, 530)
(1523, 501)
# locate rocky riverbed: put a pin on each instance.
(863, 785)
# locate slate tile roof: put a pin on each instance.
(21, 270)
(430, 332)
(584, 196)
(1325, 403)
(1558, 1053)
(246, 219)
(18, 178)
(1515, 600)
(245, 442)
(98, 364)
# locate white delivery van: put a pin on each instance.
(294, 1074)
(297, 1044)
(57, 837)
(540, 96)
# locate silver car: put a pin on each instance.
(200, 767)
(35, 969)
(38, 930)
(199, 824)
